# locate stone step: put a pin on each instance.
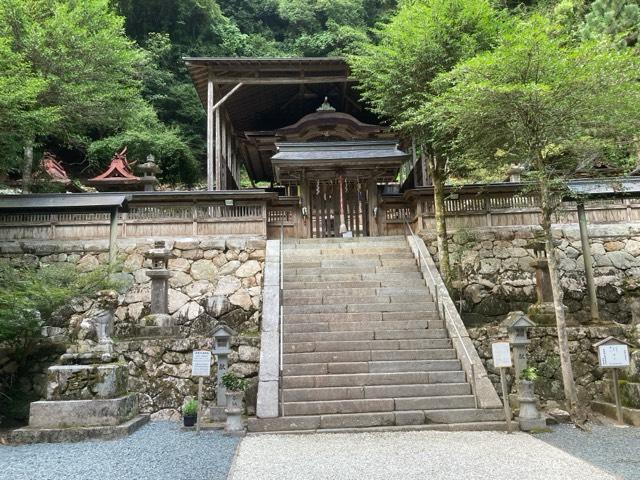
(357, 345)
(306, 258)
(363, 379)
(345, 245)
(348, 250)
(370, 422)
(356, 299)
(374, 392)
(407, 282)
(448, 402)
(371, 367)
(356, 292)
(357, 326)
(349, 270)
(365, 335)
(369, 355)
(354, 277)
(363, 316)
(387, 238)
(360, 308)
(350, 242)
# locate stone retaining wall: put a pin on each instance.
(493, 271)
(591, 380)
(216, 280)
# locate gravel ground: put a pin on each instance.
(614, 449)
(407, 455)
(157, 451)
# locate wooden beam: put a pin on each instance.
(219, 171)
(282, 80)
(210, 147)
(224, 99)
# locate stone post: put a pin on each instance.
(221, 348)
(159, 275)
(543, 311)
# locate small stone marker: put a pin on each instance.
(200, 367)
(501, 352)
(613, 353)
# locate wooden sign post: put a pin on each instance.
(200, 367)
(614, 354)
(502, 359)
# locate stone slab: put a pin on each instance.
(59, 414)
(76, 434)
(630, 415)
(86, 382)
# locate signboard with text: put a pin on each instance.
(613, 356)
(201, 363)
(501, 354)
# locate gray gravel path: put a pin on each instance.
(407, 455)
(157, 451)
(614, 449)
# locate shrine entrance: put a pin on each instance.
(338, 207)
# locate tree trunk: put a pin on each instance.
(437, 177)
(568, 381)
(27, 167)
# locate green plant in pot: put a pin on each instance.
(190, 412)
(235, 387)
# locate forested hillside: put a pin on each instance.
(83, 78)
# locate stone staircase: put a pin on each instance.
(363, 345)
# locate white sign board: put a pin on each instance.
(613, 355)
(501, 354)
(201, 363)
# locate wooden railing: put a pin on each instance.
(161, 215)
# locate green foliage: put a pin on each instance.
(616, 19)
(233, 383)
(30, 295)
(190, 408)
(540, 99)
(529, 374)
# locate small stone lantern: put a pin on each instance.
(159, 322)
(517, 324)
(221, 348)
(149, 170)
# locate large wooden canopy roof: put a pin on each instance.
(275, 93)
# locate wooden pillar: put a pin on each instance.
(372, 194)
(210, 133)
(218, 149)
(304, 228)
(113, 236)
(414, 161)
(423, 168)
(588, 267)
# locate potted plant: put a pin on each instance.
(235, 387)
(529, 417)
(190, 412)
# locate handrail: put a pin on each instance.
(281, 310)
(442, 308)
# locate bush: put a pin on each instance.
(30, 296)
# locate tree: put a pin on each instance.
(21, 116)
(619, 19)
(541, 99)
(395, 75)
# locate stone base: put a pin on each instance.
(75, 434)
(630, 415)
(535, 424)
(155, 331)
(543, 314)
(216, 414)
(82, 413)
(86, 382)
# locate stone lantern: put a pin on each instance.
(543, 310)
(517, 324)
(159, 322)
(221, 348)
(149, 170)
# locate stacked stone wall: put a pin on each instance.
(494, 274)
(591, 380)
(216, 280)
